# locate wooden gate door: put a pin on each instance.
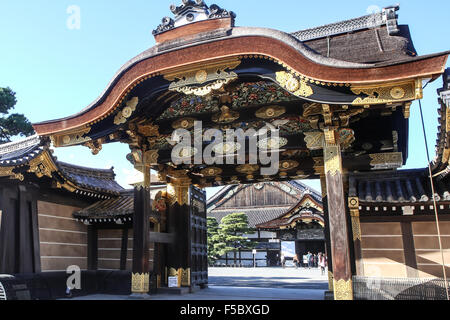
(198, 230)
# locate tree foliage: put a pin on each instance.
(11, 124)
(213, 229)
(229, 236)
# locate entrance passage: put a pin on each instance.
(274, 277)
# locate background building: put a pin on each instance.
(278, 211)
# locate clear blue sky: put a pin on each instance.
(56, 71)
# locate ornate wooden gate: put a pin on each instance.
(199, 251)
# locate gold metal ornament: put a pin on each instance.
(343, 289)
(72, 137)
(381, 94)
(297, 87)
(314, 140)
(42, 165)
(226, 115)
(126, 112)
(382, 161)
(192, 79)
(186, 277)
(148, 130)
(270, 112)
(140, 282)
(247, 168)
(288, 165)
(184, 123)
(332, 159)
(211, 172)
(272, 143)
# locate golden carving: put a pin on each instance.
(297, 87)
(227, 148)
(343, 290)
(148, 130)
(185, 123)
(95, 146)
(8, 172)
(270, 112)
(356, 228)
(407, 110)
(71, 138)
(211, 172)
(314, 140)
(42, 166)
(380, 161)
(191, 79)
(332, 159)
(226, 115)
(247, 168)
(178, 188)
(151, 157)
(272, 143)
(353, 203)
(127, 111)
(330, 280)
(140, 282)
(186, 277)
(379, 94)
(397, 92)
(288, 165)
(330, 136)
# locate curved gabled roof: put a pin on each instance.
(33, 154)
(207, 40)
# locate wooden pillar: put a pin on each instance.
(124, 250)
(179, 223)
(92, 248)
(353, 205)
(327, 232)
(140, 283)
(340, 250)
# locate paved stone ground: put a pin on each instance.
(251, 284)
(287, 278)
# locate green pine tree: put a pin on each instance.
(12, 124)
(213, 229)
(231, 235)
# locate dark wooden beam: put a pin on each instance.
(158, 237)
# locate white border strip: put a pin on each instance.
(60, 230)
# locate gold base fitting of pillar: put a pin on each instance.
(330, 281)
(343, 290)
(184, 276)
(140, 283)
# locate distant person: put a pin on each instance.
(322, 262)
(305, 261)
(296, 261)
(283, 260)
(310, 259)
(316, 264)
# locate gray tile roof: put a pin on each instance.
(20, 152)
(255, 215)
(115, 208)
(403, 186)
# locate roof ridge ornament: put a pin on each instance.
(192, 11)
